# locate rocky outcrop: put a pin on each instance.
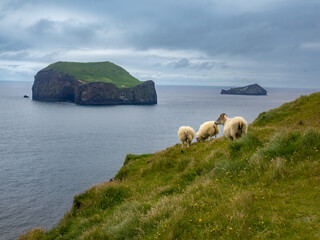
(51, 85)
(54, 86)
(253, 89)
(99, 93)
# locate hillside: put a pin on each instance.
(265, 185)
(97, 72)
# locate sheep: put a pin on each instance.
(207, 130)
(233, 127)
(186, 134)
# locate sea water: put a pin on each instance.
(49, 152)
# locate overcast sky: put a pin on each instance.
(275, 43)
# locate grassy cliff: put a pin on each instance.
(97, 72)
(265, 185)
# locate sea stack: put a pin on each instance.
(253, 89)
(98, 83)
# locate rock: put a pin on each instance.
(54, 86)
(253, 89)
(25, 96)
(99, 93)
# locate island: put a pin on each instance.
(253, 89)
(94, 83)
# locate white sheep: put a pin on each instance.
(233, 127)
(186, 134)
(207, 130)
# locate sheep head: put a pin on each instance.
(222, 119)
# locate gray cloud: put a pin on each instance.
(275, 41)
(182, 63)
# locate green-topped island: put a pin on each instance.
(94, 83)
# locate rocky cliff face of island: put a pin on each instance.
(254, 89)
(54, 86)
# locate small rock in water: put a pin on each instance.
(25, 96)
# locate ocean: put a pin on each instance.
(49, 152)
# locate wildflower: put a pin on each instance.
(200, 220)
(317, 150)
(262, 222)
(191, 220)
(195, 204)
(227, 172)
(230, 228)
(249, 228)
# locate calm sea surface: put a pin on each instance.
(51, 151)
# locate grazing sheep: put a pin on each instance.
(233, 127)
(186, 134)
(207, 130)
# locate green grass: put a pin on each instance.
(97, 72)
(265, 185)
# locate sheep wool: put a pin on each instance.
(186, 134)
(233, 127)
(207, 130)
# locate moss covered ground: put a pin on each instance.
(97, 72)
(265, 185)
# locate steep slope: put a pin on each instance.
(262, 186)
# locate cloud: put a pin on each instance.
(182, 63)
(211, 40)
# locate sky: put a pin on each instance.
(275, 43)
